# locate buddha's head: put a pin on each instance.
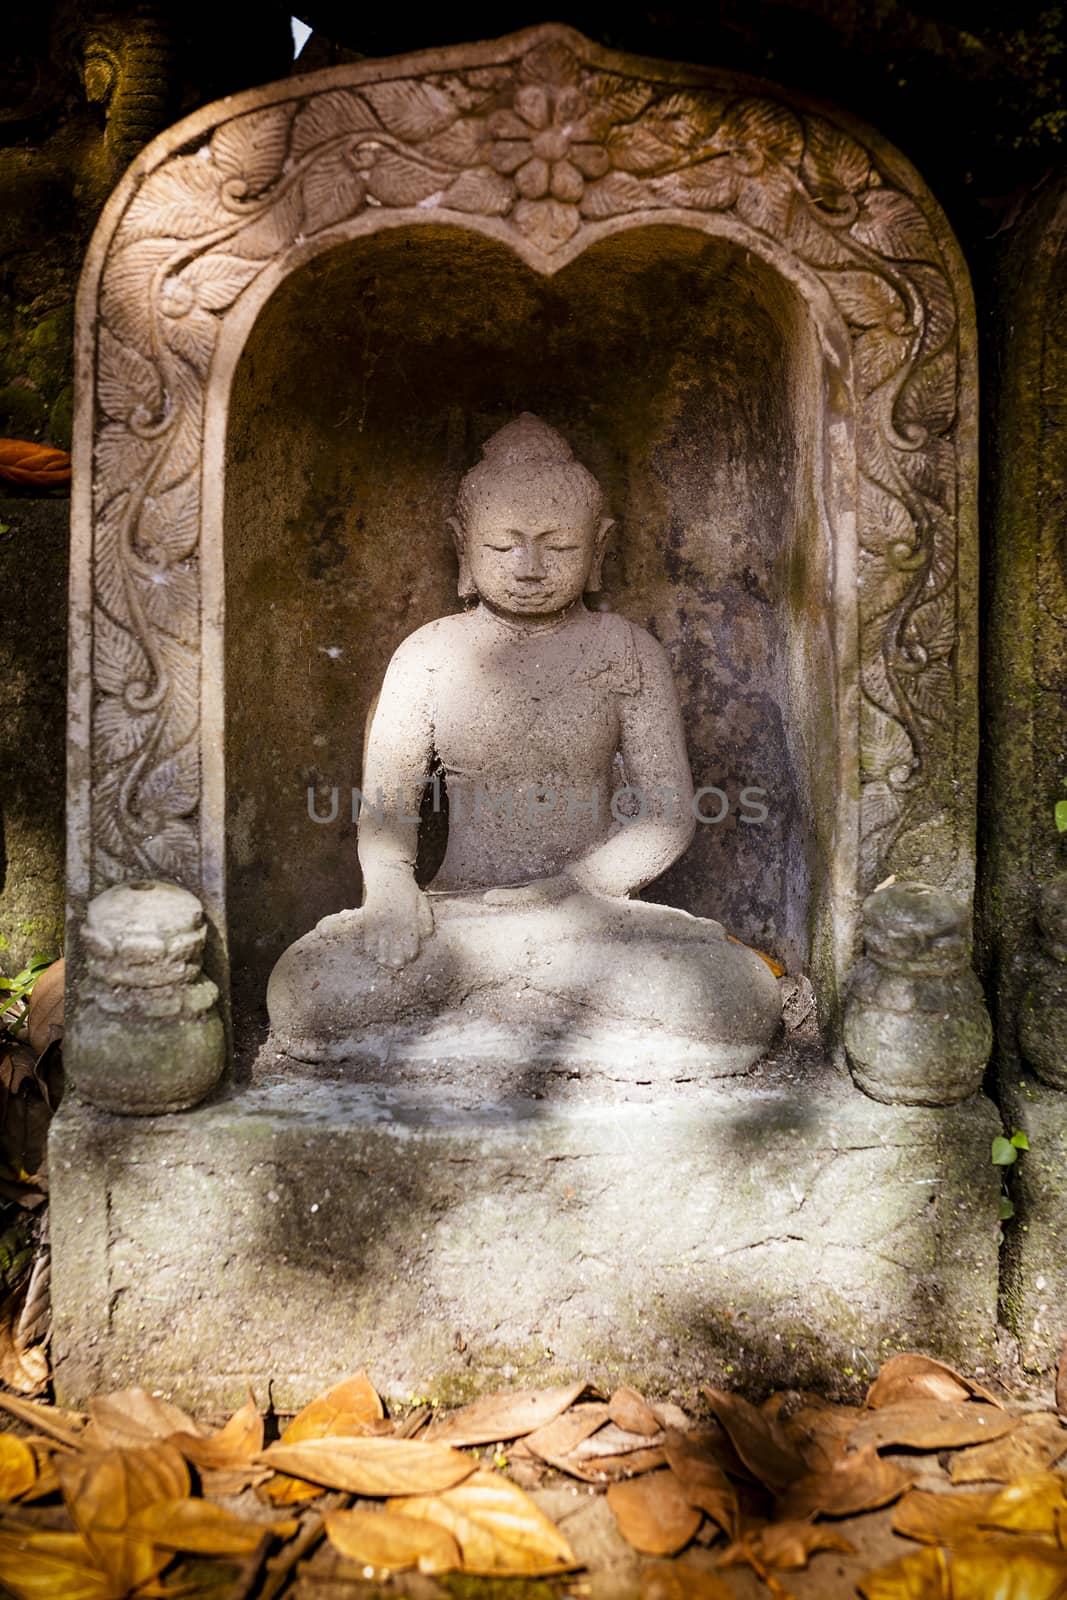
(530, 528)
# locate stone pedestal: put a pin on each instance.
(1034, 1285)
(786, 1226)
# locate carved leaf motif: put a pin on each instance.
(817, 241)
(126, 382)
(621, 100)
(878, 356)
(884, 745)
(172, 789)
(883, 518)
(397, 180)
(866, 300)
(711, 186)
(930, 691)
(181, 710)
(118, 659)
(325, 116)
(764, 126)
(118, 733)
(174, 850)
(413, 110)
(932, 470)
(108, 583)
(193, 337)
(333, 190)
(463, 144)
(171, 601)
(106, 804)
(929, 397)
(253, 147)
(273, 229)
(938, 306)
(483, 193)
(617, 194)
(122, 457)
(879, 809)
(892, 224)
(181, 200)
(833, 162)
(216, 280)
(639, 149)
(766, 202)
(180, 452)
(125, 300)
(549, 224)
(170, 522)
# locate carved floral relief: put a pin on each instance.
(548, 146)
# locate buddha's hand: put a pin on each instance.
(541, 892)
(395, 924)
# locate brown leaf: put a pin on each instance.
(23, 1367)
(229, 1450)
(1061, 1380)
(614, 1441)
(65, 1426)
(131, 1417)
(673, 1580)
(820, 1433)
(52, 1566)
(371, 1466)
(1035, 1444)
(560, 1437)
(762, 1445)
(105, 1491)
(508, 1415)
(858, 1481)
(787, 1545)
(628, 1410)
(653, 1514)
(611, 1468)
(40, 464)
(937, 1518)
(911, 1377)
(18, 1467)
(44, 1014)
(498, 1528)
(348, 1409)
(1036, 1504)
(922, 1576)
(703, 1481)
(389, 1540)
(985, 1570)
(931, 1425)
(206, 1529)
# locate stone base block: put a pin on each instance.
(1034, 1287)
(783, 1226)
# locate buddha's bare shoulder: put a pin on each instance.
(434, 641)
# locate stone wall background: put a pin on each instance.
(977, 102)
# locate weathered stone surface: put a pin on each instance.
(301, 1229)
(33, 676)
(1034, 1284)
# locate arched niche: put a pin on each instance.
(554, 149)
(683, 369)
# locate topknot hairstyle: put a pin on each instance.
(524, 451)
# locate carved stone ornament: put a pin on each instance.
(549, 144)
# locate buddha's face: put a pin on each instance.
(531, 546)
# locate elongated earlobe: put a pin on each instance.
(595, 579)
(465, 585)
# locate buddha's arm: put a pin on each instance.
(396, 914)
(657, 768)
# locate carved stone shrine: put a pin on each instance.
(539, 1105)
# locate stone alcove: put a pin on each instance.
(545, 151)
(683, 369)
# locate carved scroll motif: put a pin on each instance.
(548, 147)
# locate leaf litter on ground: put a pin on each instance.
(139, 1480)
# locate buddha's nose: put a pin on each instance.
(531, 562)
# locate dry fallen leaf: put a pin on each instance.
(203, 1528)
(819, 1432)
(44, 1013)
(1061, 1380)
(388, 1540)
(23, 1365)
(104, 1491)
(653, 1513)
(674, 1580)
(911, 1377)
(703, 1481)
(762, 1445)
(133, 1417)
(1036, 1504)
(1035, 1444)
(233, 1447)
(349, 1409)
(935, 1518)
(560, 1437)
(931, 1425)
(921, 1576)
(508, 1415)
(1012, 1569)
(499, 1530)
(610, 1468)
(52, 1566)
(787, 1545)
(630, 1411)
(372, 1466)
(857, 1481)
(18, 1467)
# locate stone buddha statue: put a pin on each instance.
(558, 736)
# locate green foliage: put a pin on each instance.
(1006, 1151)
(15, 992)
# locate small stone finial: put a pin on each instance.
(526, 439)
(1042, 1016)
(150, 1039)
(916, 1027)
